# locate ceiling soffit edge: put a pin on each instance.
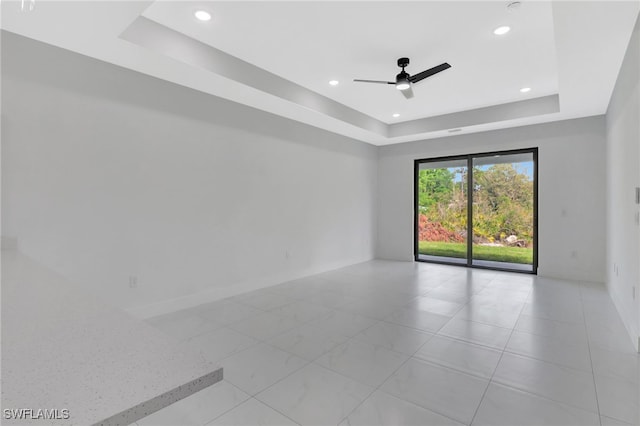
(163, 40)
(492, 114)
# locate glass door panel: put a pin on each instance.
(442, 210)
(503, 211)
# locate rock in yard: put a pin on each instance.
(511, 239)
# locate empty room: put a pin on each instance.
(320, 213)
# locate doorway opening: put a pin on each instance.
(478, 210)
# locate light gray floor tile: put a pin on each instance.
(308, 341)
(555, 311)
(421, 320)
(504, 406)
(183, 327)
(220, 343)
(547, 289)
(371, 308)
(566, 331)
(436, 306)
(365, 321)
(500, 291)
(497, 302)
(260, 366)
(264, 326)
(444, 293)
(302, 311)
(504, 319)
(476, 332)
(608, 421)
(445, 391)
(600, 311)
(345, 323)
(464, 284)
(301, 289)
(562, 384)
(512, 281)
(315, 395)
(226, 312)
(199, 408)
(621, 365)
(394, 337)
(331, 299)
(252, 413)
(389, 295)
(383, 409)
(172, 415)
(466, 357)
(609, 335)
(265, 300)
(618, 399)
(362, 361)
(574, 354)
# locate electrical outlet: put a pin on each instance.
(133, 281)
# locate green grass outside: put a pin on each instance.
(459, 250)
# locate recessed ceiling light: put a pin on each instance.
(525, 89)
(334, 82)
(396, 115)
(502, 30)
(202, 15)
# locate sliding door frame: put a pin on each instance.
(469, 158)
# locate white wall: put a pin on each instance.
(571, 184)
(623, 162)
(108, 174)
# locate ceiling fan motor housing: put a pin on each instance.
(403, 62)
(403, 76)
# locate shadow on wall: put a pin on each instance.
(76, 73)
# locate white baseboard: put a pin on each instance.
(634, 333)
(234, 289)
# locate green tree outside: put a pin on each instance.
(502, 203)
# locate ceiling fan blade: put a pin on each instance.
(428, 73)
(408, 93)
(374, 81)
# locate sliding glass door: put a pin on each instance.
(503, 211)
(478, 210)
(442, 210)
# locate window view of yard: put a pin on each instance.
(502, 211)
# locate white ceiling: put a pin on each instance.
(312, 43)
(279, 57)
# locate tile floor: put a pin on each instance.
(395, 343)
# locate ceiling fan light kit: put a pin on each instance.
(404, 80)
(403, 84)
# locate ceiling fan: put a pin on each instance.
(404, 80)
